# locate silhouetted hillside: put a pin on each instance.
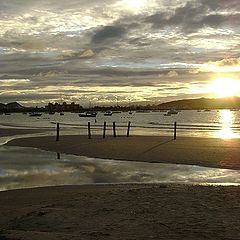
(13, 106)
(203, 103)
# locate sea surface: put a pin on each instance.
(215, 123)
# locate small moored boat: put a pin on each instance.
(35, 114)
(108, 113)
(88, 114)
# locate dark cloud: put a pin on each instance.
(108, 33)
(193, 16)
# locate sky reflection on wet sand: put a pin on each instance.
(27, 167)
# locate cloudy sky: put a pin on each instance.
(146, 51)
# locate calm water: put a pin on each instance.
(222, 123)
(27, 167)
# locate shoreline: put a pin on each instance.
(206, 152)
(121, 211)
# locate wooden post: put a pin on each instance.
(89, 131)
(58, 128)
(128, 129)
(104, 130)
(114, 129)
(175, 130)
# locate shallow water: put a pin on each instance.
(28, 167)
(220, 124)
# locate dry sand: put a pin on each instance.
(210, 152)
(121, 212)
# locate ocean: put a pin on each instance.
(215, 123)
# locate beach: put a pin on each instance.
(129, 211)
(208, 152)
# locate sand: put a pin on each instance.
(4, 132)
(143, 211)
(127, 211)
(209, 152)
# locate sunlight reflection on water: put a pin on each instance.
(226, 118)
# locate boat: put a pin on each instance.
(7, 113)
(172, 111)
(88, 114)
(61, 113)
(142, 111)
(130, 112)
(51, 113)
(35, 114)
(108, 113)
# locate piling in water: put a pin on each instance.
(114, 129)
(89, 130)
(175, 131)
(58, 129)
(104, 129)
(128, 129)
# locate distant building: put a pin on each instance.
(64, 107)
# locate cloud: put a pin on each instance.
(172, 74)
(192, 16)
(227, 62)
(108, 33)
(68, 46)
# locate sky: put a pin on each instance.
(117, 51)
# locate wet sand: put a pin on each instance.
(4, 132)
(146, 211)
(209, 152)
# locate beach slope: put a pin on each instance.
(129, 211)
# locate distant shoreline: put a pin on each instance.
(208, 152)
(182, 104)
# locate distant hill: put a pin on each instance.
(14, 105)
(11, 106)
(203, 103)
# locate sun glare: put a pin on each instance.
(225, 87)
(226, 119)
(134, 5)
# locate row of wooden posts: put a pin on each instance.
(114, 130)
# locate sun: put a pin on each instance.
(225, 87)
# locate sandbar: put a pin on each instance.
(208, 152)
